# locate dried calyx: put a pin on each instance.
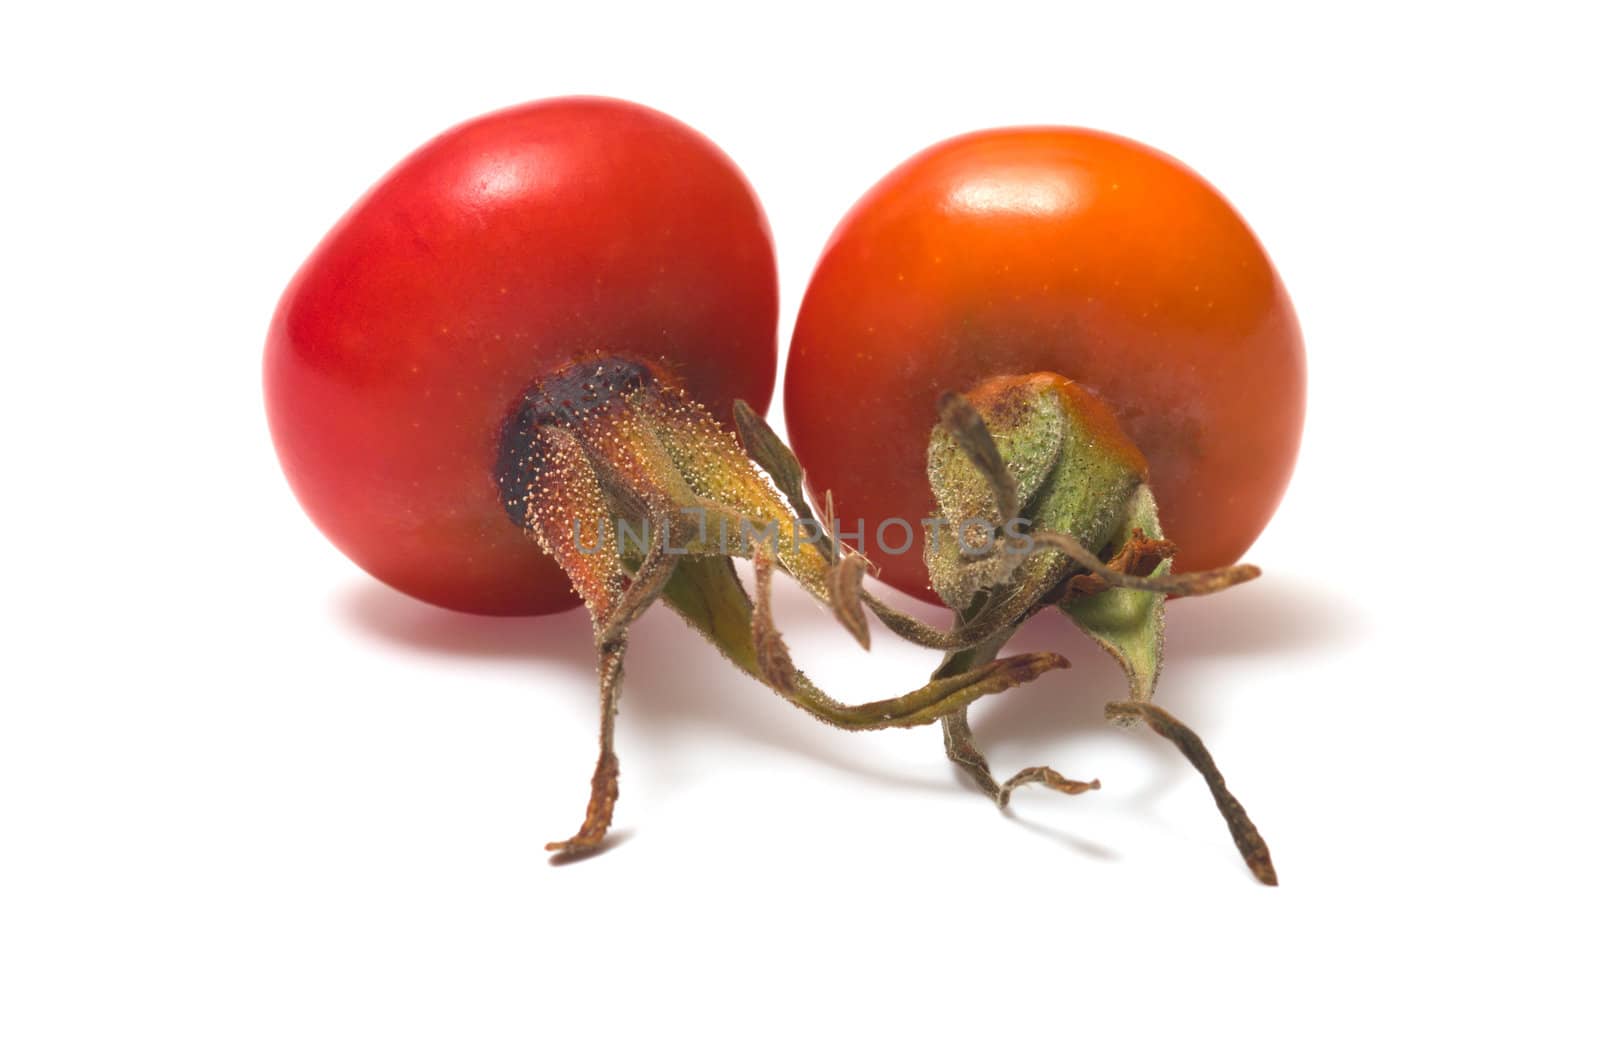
(639, 493)
(1047, 506)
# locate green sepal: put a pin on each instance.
(1066, 479)
(1130, 624)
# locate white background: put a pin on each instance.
(254, 806)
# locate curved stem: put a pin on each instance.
(1245, 836)
(932, 701)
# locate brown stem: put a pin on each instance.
(611, 643)
(603, 786)
(1245, 836)
(1047, 777)
(962, 748)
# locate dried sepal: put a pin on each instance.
(1049, 778)
(967, 429)
(1246, 837)
(773, 456)
(845, 596)
(1184, 585)
(707, 593)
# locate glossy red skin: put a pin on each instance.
(1068, 250)
(498, 252)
